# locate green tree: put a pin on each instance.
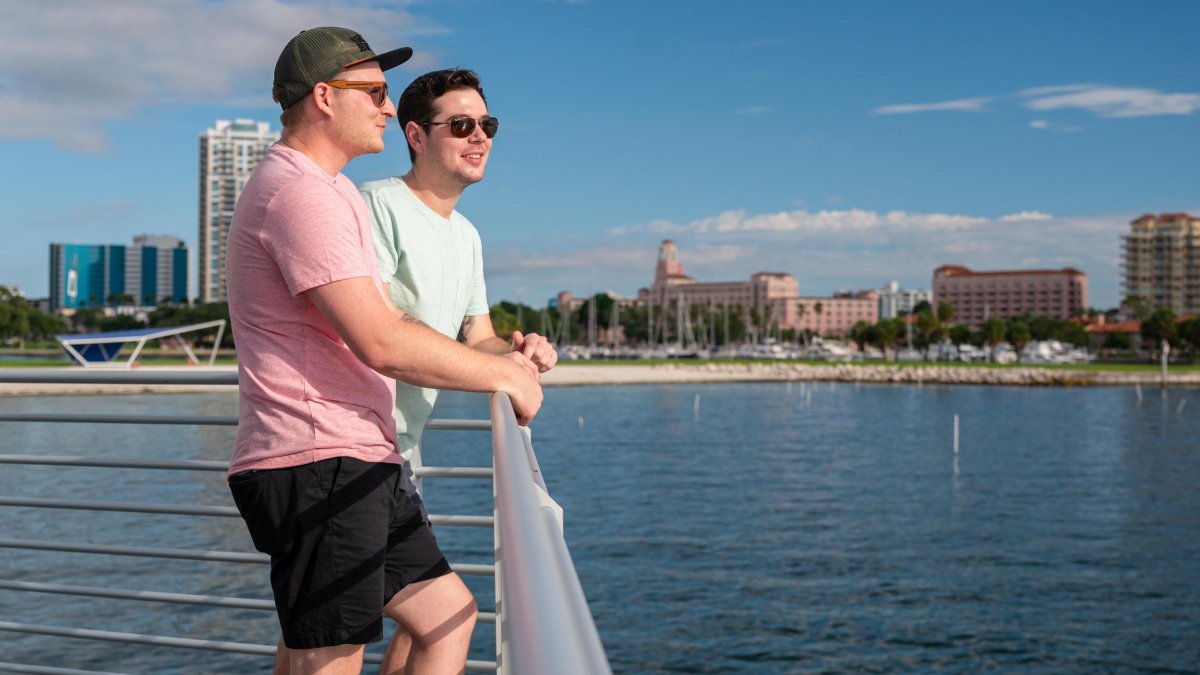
(183, 315)
(1137, 307)
(120, 322)
(945, 312)
(503, 322)
(86, 319)
(931, 330)
(15, 311)
(860, 333)
(1073, 333)
(887, 333)
(1121, 341)
(1018, 335)
(1159, 326)
(960, 334)
(993, 332)
(1189, 335)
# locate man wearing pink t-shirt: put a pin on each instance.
(315, 472)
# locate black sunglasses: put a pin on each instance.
(462, 126)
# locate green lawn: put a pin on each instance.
(1085, 367)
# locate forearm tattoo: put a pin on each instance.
(466, 328)
(411, 318)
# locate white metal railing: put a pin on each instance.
(543, 624)
(544, 627)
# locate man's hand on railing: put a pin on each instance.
(537, 348)
(523, 387)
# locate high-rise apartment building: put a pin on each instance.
(229, 152)
(893, 300)
(1161, 260)
(978, 296)
(88, 275)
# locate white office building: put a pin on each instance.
(229, 152)
(893, 300)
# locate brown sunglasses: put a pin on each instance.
(462, 126)
(377, 90)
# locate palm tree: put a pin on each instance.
(993, 334)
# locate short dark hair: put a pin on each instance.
(416, 103)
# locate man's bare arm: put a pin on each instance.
(409, 351)
(477, 332)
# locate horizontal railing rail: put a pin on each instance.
(542, 621)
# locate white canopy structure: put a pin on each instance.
(92, 350)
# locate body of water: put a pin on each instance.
(771, 529)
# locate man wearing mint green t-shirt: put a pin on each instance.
(429, 255)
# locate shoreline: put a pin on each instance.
(609, 374)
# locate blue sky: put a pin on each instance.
(848, 143)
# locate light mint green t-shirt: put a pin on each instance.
(433, 268)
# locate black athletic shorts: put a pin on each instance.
(344, 537)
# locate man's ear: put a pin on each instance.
(415, 136)
(322, 95)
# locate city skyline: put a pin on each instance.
(845, 145)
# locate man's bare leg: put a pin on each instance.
(282, 659)
(395, 659)
(436, 619)
(338, 660)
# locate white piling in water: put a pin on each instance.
(1138, 387)
(1179, 410)
(696, 406)
(581, 422)
(956, 434)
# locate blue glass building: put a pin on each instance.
(150, 271)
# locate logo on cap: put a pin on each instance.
(362, 44)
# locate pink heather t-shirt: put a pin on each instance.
(304, 396)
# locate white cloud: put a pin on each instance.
(1099, 100)
(1104, 101)
(756, 110)
(800, 220)
(849, 248)
(70, 68)
(1025, 216)
(1054, 127)
(960, 105)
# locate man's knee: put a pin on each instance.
(432, 610)
(336, 659)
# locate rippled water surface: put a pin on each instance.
(776, 529)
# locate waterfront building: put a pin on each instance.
(774, 297)
(89, 275)
(1161, 261)
(836, 315)
(772, 294)
(229, 152)
(894, 301)
(978, 296)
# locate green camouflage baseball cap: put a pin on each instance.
(318, 54)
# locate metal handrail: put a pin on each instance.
(539, 591)
(538, 597)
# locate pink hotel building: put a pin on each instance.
(775, 292)
(976, 296)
